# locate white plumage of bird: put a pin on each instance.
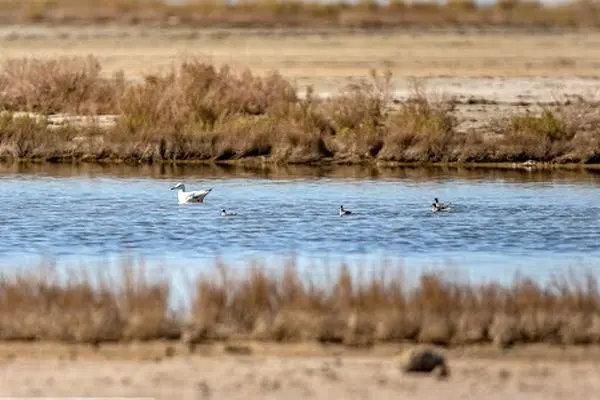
(194, 196)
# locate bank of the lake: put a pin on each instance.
(204, 114)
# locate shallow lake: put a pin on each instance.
(536, 222)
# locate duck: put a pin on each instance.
(225, 213)
(195, 196)
(437, 206)
(344, 212)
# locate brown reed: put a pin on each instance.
(284, 305)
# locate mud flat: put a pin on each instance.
(324, 57)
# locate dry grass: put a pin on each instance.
(285, 306)
(197, 112)
(64, 84)
(44, 307)
(268, 13)
(567, 133)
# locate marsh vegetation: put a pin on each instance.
(286, 305)
(198, 112)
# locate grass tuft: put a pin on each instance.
(42, 306)
(67, 84)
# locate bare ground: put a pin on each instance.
(166, 371)
(325, 56)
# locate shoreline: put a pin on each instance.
(161, 350)
(64, 111)
(114, 29)
(234, 100)
(252, 164)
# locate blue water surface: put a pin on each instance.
(498, 224)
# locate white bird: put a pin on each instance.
(227, 213)
(344, 212)
(195, 196)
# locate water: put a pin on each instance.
(538, 223)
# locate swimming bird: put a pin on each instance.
(227, 213)
(195, 196)
(344, 212)
(437, 206)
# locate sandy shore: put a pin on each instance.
(161, 372)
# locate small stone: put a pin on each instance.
(422, 359)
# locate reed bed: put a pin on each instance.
(269, 13)
(198, 112)
(285, 305)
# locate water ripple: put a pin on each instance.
(505, 221)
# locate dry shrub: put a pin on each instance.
(436, 329)
(504, 330)
(360, 311)
(65, 84)
(239, 303)
(566, 133)
(155, 105)
(422, 129)
(580, 328)
(203, 113)
(584, 117)
(473, 327)
(42, 306)
(199, 93)
(262, 304)
(542, 137)
(38, 307)
(28, 137)
(144, 307)
(287, 307)
(397, 326)
(356, 116)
